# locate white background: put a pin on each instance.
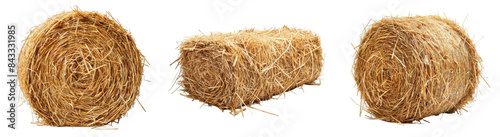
(327, 110)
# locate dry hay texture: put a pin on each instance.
(239, 69)
(80, 68)
(408, 68)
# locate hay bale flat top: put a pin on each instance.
(245, 67)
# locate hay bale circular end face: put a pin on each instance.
(80, 68)
(239, 69)
(408, 68)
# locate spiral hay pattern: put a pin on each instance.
(80, 68)
(408, 68)
(239, 69)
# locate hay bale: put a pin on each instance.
(408, 68)
(239, 69)
(80, 68)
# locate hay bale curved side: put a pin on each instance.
(239, 69)
(80, 68)
(408, 68)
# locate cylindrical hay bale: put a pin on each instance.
(238, 69)
(80, 68)
(408, 68)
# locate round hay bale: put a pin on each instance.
(239, 69)
(80, 68)
(408, 68)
